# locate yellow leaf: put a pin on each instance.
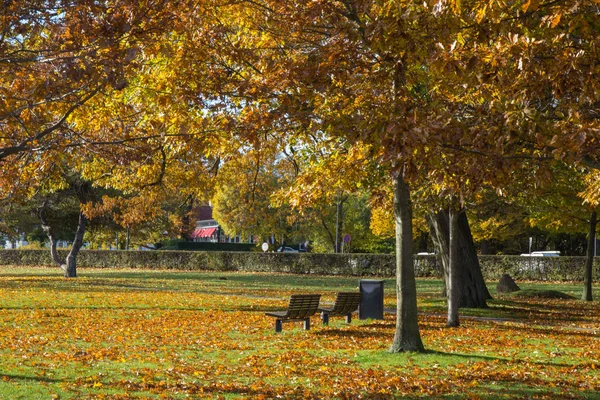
(531, 5)
(556, 20)
(481, 14)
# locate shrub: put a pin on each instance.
(382, 265)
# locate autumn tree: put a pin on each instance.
(57, 55)
(89, 92)
(242, 202)
(561, 205)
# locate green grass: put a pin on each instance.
(173, 334)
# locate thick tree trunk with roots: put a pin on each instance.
(473, 292)
(589, 263)
(407, 337)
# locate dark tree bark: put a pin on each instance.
(68, 265)
(453, 269)
(440, 235)
(81, 189)
(331, 237)
(485, 247)
(339, 219)
(407, 336)
(473, 293)
(589, 263)
(71, 270)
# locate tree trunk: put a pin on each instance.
(69, 266)
(485, 247)
(71, 270)
(438, 229)
(331, 237)
(452, 287)
(339, 222)
(49, 231)
(589, 264)
(407, 337)
(127, 238)
(473, 290)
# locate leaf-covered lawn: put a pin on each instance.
(164, 334)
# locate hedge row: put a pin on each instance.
(530, 268)
(209, 246)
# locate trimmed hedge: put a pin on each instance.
(383, 265)
(208, 246)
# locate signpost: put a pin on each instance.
(265, 246)
(347, 239)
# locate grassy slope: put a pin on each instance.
(147, 334)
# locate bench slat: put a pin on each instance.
(301, 306)
(345, 303)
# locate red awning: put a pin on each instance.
(209, 232)
(203, 232)
(197, 232)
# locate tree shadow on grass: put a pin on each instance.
(555, 331)
(353, 332)
(523, 311)
(12, 377)
(497, 359)
(526, 304)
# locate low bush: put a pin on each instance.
(208, 246)
(383, 265)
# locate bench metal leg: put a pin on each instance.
(325, 318)
(307, 324)
(278, 325)
(349, 318)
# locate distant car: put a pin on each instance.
(548, 253)
(286, 250)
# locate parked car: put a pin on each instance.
(545, 253)
(286, 249)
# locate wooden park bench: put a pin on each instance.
(301, 308)
(345, 304)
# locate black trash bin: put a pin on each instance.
(371, 299)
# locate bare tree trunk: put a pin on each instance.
(71, 270)
(453, 288)
(339, 222)
(407, 336)
(589, 264)
(48, 230)
(473, 290)
(331, 237)
(128, 238)
(438, 228)
(69, 266)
